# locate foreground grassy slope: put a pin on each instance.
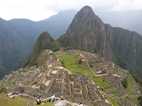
(18, 101)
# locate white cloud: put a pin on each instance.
(40, 9)
(124, 5)
(31, 9)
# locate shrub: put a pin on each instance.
(3, 90)
(124, 82)
(140, 100)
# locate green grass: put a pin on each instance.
(70, 61)
(46, 104)
(131, 82)
(102, 82)
(114, 101)
(18, 101)
(132, 89)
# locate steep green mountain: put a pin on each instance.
(88, 32)
(44, 41)
(17, 37)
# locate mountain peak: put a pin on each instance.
(86, 31)
(44, 41)
(87, 8)
(44, 35)
(86, 11)
(85, 19)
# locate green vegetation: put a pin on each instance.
(124, 83)
(113, 101)
(3, 90)
(102, 82)
(71, 62)
(140, 100)
(44, 41)
(18, 101)
(132, 88)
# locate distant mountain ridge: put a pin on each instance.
(57, 24)
(17, 37)
(13, 47)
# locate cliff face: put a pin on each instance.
(127, 50)
(88, 32)
(85, 32)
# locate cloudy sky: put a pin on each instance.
(41, 9)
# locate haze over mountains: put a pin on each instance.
(17, 37)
